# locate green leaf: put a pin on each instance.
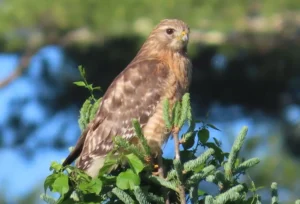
(108, 179)
(97, 88)
(93, 186)
(213, 127)
(127, 180)
(55, 166)
(188, 139)
(48, 199)
(61, 184)
(89, 87)
(49, 181)
(109, 164)
(217, 142)
(81, 70)
(135, 163)
(201, 193)
(219, 155)
(79, 83)
(203, 135)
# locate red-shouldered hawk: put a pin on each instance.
(161, 69)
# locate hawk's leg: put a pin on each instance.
(161, 173)
(157, 162)
(160, 170)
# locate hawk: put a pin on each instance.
(161, 69)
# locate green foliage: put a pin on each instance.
(128, 180)
(91, 105)
(116, 17)
(127, 175)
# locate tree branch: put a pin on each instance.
(177, 157)
(80, 35)
(23, 64)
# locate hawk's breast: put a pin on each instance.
(175, 86)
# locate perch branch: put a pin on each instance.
(177, 157)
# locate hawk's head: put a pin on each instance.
(172, 34)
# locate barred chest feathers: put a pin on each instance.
(176, 85)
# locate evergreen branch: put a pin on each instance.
(122, 195)
(211, 178)
(125, 144)
(163, 182)
(176, 113)
(185, 107)
(190, 118)
(178, 169)
(171, 174)
(192, 164)
(274, 193)
(209, 200)
(197, 177)
(246, 165)
(140, 195)
(231, 195)
(220, 179)
(155, 198)
(237, 145)
(141, 137)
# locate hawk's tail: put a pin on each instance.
(77, 150)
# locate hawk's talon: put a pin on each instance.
(148, 159)
(155, 173)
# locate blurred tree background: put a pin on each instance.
(246, 72)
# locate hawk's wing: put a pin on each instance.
(135, 93)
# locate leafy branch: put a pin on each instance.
(91, 105)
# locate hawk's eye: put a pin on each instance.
(170, 31)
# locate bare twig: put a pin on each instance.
(23, 64)
(176, 141)
(74, 36)
(177, 156)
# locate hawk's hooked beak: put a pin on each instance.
(184, 36)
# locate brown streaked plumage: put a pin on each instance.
(161, 69)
